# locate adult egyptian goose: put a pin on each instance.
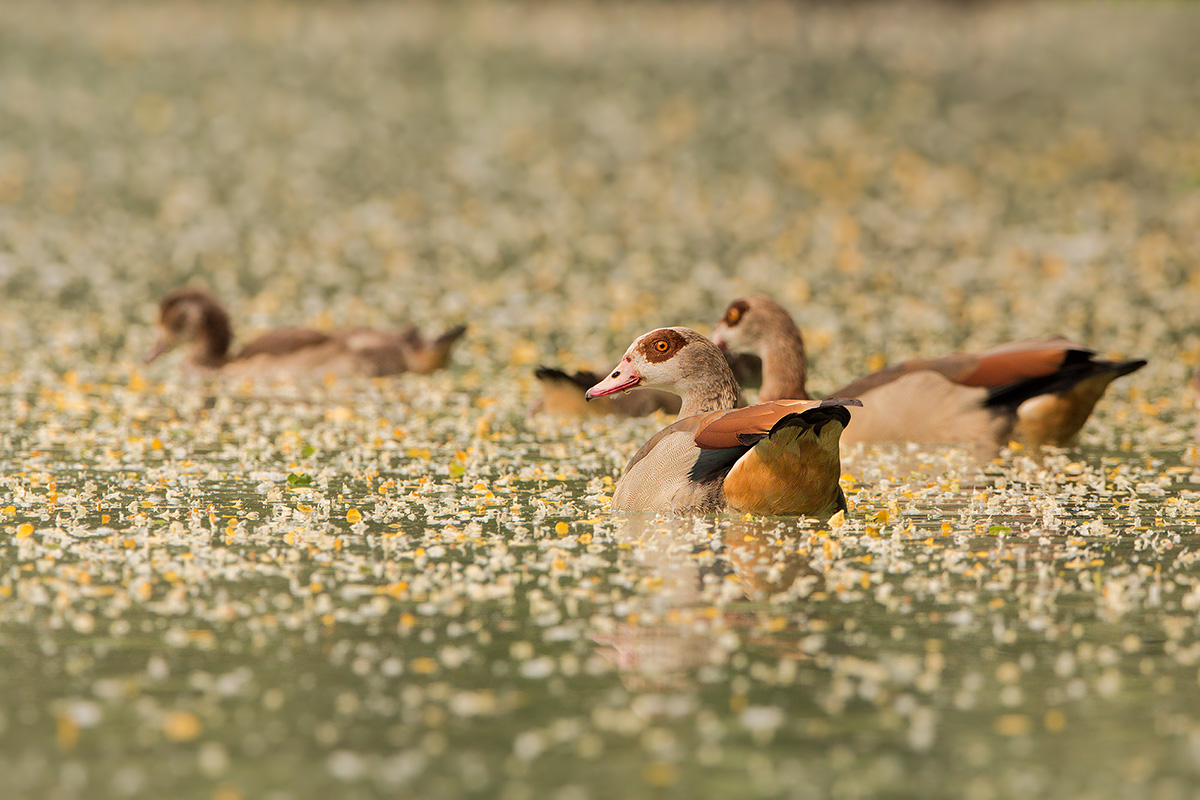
(1039, 391)
(193, 316)
(777, 458)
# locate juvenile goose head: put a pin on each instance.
(759, 325)
(193, 316)
(676, 360)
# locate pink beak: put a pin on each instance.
(622, 379)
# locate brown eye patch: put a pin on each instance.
(735, 312)
(662, 345)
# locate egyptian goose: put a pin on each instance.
(194, 316)
(777, 458)
(1038, 391)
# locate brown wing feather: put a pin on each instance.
(1029, 358)
(282, 341)
(1016, 361)
(724, 428)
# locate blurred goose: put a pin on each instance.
(1039, 391)
(777, 458)
(193, 316)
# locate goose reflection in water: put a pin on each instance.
(702, 588)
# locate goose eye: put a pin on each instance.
(733, 315)
(661, 346)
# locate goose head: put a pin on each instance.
(677, 360)
(193, 316)
(749, 324)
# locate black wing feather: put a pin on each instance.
(713, 465)
(1077, 366)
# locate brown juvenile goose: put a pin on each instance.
(193, 316)
(1039, 391)
(778, 458)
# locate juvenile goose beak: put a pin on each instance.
(623, 378)
(160, 347)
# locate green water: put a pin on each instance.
(183, 621)
(410, 587)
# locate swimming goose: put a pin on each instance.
(776, 458)
(1039, 391)
(193, 316)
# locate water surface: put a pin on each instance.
(410, 587)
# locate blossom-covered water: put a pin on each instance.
(410, 587)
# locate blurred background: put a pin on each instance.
(906, 178)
